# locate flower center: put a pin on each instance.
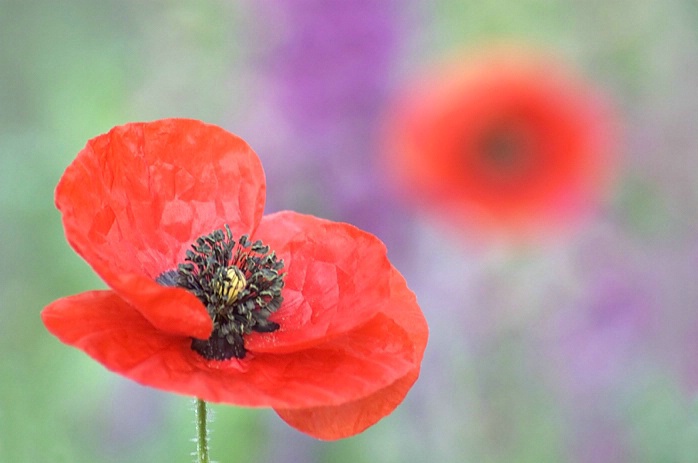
(506, 150)
(240, 284)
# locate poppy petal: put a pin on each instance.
(344, 369)
(112, 332)
(336, 278)
(136, 197)
(348, 419)
(403, 309)
(351, 418)
(171, 310)
(107, 328)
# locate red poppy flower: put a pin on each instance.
(211, 299)
(509, 141)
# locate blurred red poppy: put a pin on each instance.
(507, 141)
(211, 299)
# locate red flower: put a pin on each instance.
(508, 142)
(313, 320)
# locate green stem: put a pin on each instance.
(201, 432)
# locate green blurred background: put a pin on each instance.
(73, 69)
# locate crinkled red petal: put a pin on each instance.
(108, 329)
(350, 418)
(172, 310)
(355, 365)
(337, 278)
(136, 198)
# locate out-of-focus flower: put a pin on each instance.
(507, 140)
(211, 299)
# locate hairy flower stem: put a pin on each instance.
(201, 432)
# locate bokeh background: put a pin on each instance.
(581, 349)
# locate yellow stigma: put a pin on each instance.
(232, 284)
